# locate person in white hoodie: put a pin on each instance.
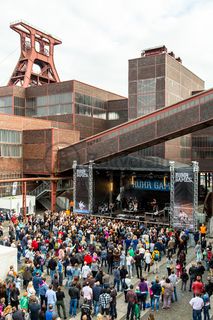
(85, 271)
(147, 258)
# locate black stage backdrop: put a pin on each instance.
(82, 190)
(183, 198)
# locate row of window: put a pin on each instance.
(10, 136)
(11, 151)
(89, 111)
(202, 142)
(49, 100)
(5, 102)
(89, 101)
(6, 105)
(49, 111)
(7, 110)
(113, 115)
(10, 143)
(202, 154)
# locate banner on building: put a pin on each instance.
(82, 190)
(183, 205)
(14, 188)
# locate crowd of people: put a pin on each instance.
(91, 260)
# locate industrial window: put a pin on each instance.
(42, 111)
(113, 116)
(11, 151)
(5, 102)
(42, 101)
(6, 105)
(98, 113)
(89, 101)
(19, 102)
(146, 86)
(19, 111)
(10, 136)
(146, 101)
(60, 98)
(83, 110)
(10, 143)
(56, 104)
(30, 102)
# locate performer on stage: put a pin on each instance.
(154, 205)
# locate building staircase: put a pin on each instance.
(43, 190)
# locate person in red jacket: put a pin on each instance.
(88, 259)
(35, 244)
(197, 286)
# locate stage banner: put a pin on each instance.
(81, 203)
(184, 211)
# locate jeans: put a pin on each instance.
(73, 306)
(110, 265)
(60, 274)
(155, 300)
(174, 298)
(183, 285)
(122, 284)
(147, 266)
(69, 280)
(117, 284)
(206, 312)
(129, 269)
(96, 307)
(113, 311)
(197, 314)
(52, 273)
(19, 256)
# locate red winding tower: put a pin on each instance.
(36, 65)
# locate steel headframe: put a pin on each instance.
(37, 48)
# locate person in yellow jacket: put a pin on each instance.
(156, 258)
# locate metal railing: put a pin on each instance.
(43, 187)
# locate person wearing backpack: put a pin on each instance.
(156, 258)
(86, 310)
(206, 306)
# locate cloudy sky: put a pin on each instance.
(99, 36)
